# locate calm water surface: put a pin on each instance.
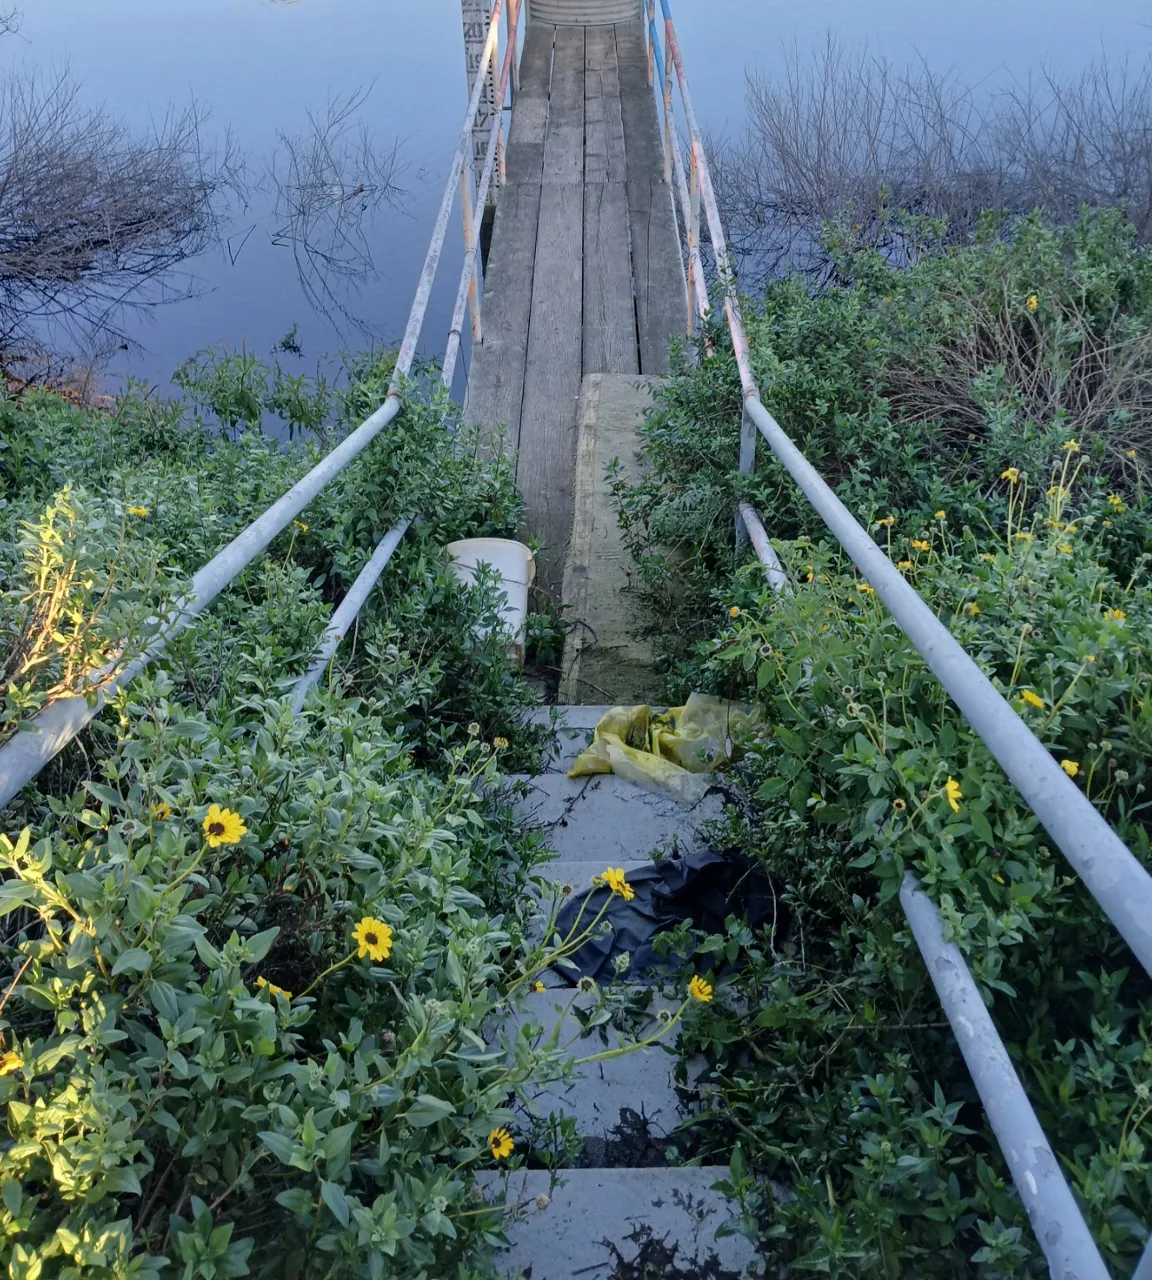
(261, 65)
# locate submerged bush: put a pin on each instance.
(982, 413)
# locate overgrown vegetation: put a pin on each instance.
(252, 966)
(984, 412)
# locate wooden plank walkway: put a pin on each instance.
(585, 273)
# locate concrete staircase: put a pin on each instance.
(623, 1214)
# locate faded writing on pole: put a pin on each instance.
(476, 15)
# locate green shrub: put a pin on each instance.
(944, 408)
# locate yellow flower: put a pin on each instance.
(1107, 524)
(886, 523)
(141, 512)
(1012, 475)
(865, 589)
(700, 990)
(1116, 502)
(500, 1144)
(1057, 491)
(899, 805)
(940, 515)
(1026, 695)
(1071, 446)
(222, 826)
(1090, 658)
(904, 564)
(1024, 537)
(987, 555)
(918, 544)
(811, 574)
(973, 608)
(613, 877)
(1070, 767)
(1070, 528)
(537, 986)
(734, 612)
(9, 1062)
(1114, 615)
(954, 794)
(300, 525)
(161, 811)
(273, 989)
(501, 744)
(1064, 548)
(373, 938)
(1031, 302)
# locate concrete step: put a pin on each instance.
(573, 727)
(623, 1107)
(609, 821)
(602, 1223)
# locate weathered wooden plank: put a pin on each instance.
(609, 342)
(564, 145)
(552, 379)
(658, 272)
(524, 161)
(496, 378)
(604, 159)
(642, 144)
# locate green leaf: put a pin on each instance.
(134, 960)
(258, 946)
(334, 1197)
(281, 1146)
(13, 1196)
(112, 798)
(428, 1110)
(14, 894)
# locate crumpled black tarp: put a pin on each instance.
(704, 887)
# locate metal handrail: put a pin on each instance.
(29, 750)
(1109, 870)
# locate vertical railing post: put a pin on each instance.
(669, 133)
(748, 434)
(470, 248)
(650, 14)
(693, 233)
(512, 16)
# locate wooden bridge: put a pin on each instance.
(585, 272)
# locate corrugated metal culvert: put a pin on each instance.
(584, 13)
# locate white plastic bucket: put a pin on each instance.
(517, 569)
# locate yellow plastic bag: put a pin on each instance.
(673, 752)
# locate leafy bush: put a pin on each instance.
(251, 964)
(942, 402)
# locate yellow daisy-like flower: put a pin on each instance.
(972, 608)
(1031, 302)
(9, 1062)
(734, 612)
(1012, 475)
(941, 515)
(886, 523)
(1107, 524)
(1130, 453)
(987, 555)
(300, 525)
(161, 811)
(700, 990)
(865, 589)
(500, 1144)
(223, 826)
(918, 544)
(1116, 502)
(904, 564)
(537, 986)
(1026, 695)
(613, 877)
(1024, 537)
(1064, 548)
(1070, 767)
(1114, 615)
(501, 744)
(273, 989)
(139, 512)
(954, 794)
(1091, 657)
(1071, 446)
(811, 573)
(373, 939)
(1057, 491)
